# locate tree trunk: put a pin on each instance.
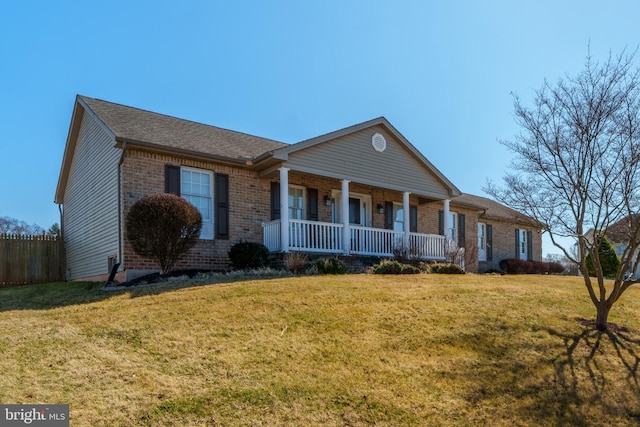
(601, 317)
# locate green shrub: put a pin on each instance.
(446, 268)
(609, 260)
(248, 255)
(388, 266)
(331, 265)
(163, 227)
(410, 269)
(392, 266)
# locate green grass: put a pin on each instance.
(323, 350)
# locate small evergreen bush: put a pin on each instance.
(331, 265)
(410, 269)
(446, 268)
(392, 266)
(248, 255)
(388, 266)
(609, 260)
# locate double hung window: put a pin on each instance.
(296, 202)
(196, 186)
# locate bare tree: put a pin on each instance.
(10, 225)
(577, 167)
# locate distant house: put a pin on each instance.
(360, 191)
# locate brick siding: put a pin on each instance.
(142, 173)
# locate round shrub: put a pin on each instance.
(331, 265)
(248, 255)
(392, 266)
(163, 227)
(388, 266)
(410, 269)
(446, 268)
(555, 268)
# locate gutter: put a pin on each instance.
(197, 155)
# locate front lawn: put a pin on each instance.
(323, 350)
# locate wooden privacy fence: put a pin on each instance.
(30, 259)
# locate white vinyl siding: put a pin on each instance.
(352, 157)
(91, 202)
(196, 186)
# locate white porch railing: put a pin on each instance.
(324, 237)
(314, 236)
(271, 235)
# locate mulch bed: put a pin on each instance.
(154, 278)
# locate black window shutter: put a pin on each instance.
(413, 219)
(461, 233)
(529, 245)
(275, 200)
(517, 243)
(388, 215)
(222, 206)
(312, 204)
(172, 179)
(441, 223)
(489, 242)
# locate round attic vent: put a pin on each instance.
(378, 142)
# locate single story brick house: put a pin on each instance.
(364, 190)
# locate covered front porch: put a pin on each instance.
(351, 230)
(364, 190)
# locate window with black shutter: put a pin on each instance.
(222, 206)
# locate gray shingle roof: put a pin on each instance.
(492, 209)
(618, 233)
(136, 125)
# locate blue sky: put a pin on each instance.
(440, 71)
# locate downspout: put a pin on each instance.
(120, 249)
(63, 255)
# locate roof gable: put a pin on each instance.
(349, 154)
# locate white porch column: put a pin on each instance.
(346, 236)
(406, 212)
(284, 209)
(445, 219)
